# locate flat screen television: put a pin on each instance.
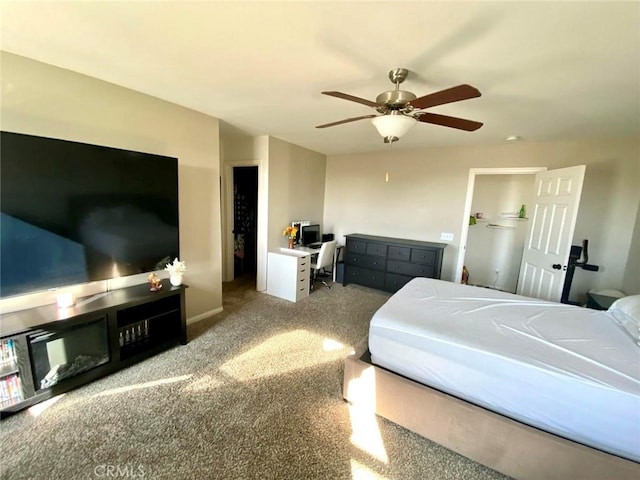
(74, 213)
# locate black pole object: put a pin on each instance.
(585, 265)
(574, 255)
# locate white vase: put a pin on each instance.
(176, 279)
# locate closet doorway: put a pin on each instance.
(493, 235)
(245, 221)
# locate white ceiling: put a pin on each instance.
(546, 70)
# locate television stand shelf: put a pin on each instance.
(46, 351)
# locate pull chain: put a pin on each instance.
(390, 141)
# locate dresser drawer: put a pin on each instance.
(366, 261)
(302, 287)
(389, 263)
(399, 253)
(377, 249)
(363, 276)
(411, 269)
(427, 257)
(288, 274)
(394, 282)
(354, 246)
(304, 268)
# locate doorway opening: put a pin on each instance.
(497, 229)
(492, 236)
(245, 221)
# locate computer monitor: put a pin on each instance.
(310, 234)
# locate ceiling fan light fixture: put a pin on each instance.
(400, 110)
(393, 125)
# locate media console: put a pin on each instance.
(46, 351)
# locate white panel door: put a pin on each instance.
(552, 220)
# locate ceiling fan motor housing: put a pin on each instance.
(395, 99)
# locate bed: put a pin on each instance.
(531, 388)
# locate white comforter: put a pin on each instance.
(568, 370)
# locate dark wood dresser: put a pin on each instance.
(388, 263)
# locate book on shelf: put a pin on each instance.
(7, 352)
(10, 391)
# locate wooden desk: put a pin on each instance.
(315, 251)
(288, 273)
(300, 248)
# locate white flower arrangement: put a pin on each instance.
(176, 268)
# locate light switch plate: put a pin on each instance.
(447, 237)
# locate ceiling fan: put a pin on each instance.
(400, 110)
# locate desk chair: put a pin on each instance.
(325, 259)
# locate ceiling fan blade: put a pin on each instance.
(446, 121)
(346, 96)
(453, 94)
(346, 120)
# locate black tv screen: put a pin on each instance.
(73, 213)
(310, 234)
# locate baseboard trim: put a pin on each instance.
(202, 316)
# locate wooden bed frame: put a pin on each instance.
(503, 444)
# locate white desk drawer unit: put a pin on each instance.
(288, 273)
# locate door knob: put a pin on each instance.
(556, 266)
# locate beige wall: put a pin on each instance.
(296, 187)
(291, 185)
(245, 151)
(494, 195)
(631, 283)
(48, 101)
(426, 194)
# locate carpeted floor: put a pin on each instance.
(256, 393)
